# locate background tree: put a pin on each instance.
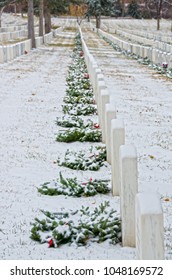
(98, 8)
(3, 4)
(31, 31)
(158, 9)
(41, 17)
(134, 10)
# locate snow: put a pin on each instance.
(31, 95)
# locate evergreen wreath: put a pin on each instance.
(79, 99)
(83, 161)
(74, 121)
(71, 187)
(78, 227)
(70, 121)
(79, 109)
(79, 134)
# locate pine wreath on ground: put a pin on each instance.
(79, 99)
(75, 121)
(79, 134)
(82, 160)
(71, 187)
(79, 109)
(70, 121)
(79, 227)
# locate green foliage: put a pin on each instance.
(70, 121)
(79, 109)
(74, 121)
(72, 99)
(99, 7)
(83, 161)
(79, 93)
(5, 3)
(133, 9)
(71, 187)
(79, 134)
(79, 227)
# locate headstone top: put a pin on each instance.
(117, 123)
(128, 151)
(149, 203)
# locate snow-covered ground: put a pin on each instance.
(32, 91)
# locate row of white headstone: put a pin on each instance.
(9, 52)
(8, 36)
(141, 213)
(155, 44)
(156, 56)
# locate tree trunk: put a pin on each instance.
(123, 8)
(158, 23)
(0, 17)
(31, 32)
(98, 21)
(47, 17)
(41, 17)
(159, 11)
(1, 12)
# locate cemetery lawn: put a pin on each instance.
(31, 95)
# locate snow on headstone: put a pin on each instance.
(149, 227)
(117, 139)
(110, 114)
(129, 189)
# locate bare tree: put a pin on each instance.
(159, 5)
(47, 17)
(3, 5)
(31, 31)
(1, 11)
(158, 8)
(41, 17)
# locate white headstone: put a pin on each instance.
(149, 227)
(104, 99)
(110, 114)
(117, 139)
(129, 189)
(100, 86)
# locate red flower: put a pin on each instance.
(86, 75)
(50, 243)
(91, 179)
(96, 125)
(81, 53)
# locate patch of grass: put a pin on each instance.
(70, 29)
(61, 45)
(55, 26)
